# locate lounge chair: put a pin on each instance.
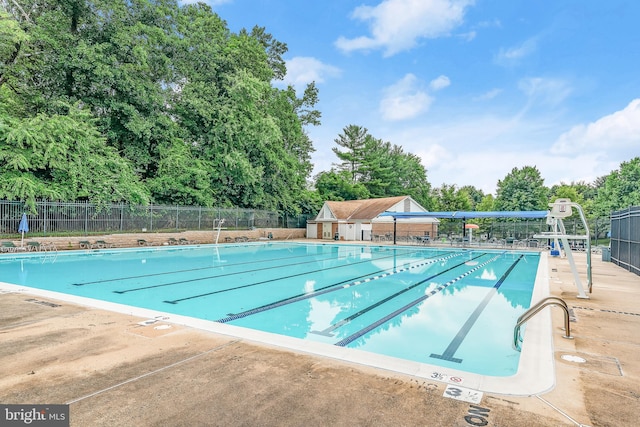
(101, 244)
(172, 241)
(10, 247)
(37, 246)
(184, 241)
(34, 247)
(48, 246)
(423, 240)
(143, 242)
(85, 244)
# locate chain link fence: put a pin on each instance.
(625, 238)
(523, 229)
(55, 218)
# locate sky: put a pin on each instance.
(474, 88)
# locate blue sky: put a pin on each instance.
(475, 88)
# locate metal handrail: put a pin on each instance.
(532, 311)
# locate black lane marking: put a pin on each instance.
(262, 281)
(327, 331)
(186, 270)
(330, 256)
(462, 333)
(327, 289)
(413, 303)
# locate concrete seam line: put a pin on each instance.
(562, 412)
(152, 372)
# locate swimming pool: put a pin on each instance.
(453, 308)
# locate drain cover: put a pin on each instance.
(571, 358)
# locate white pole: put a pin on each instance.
(220, 222)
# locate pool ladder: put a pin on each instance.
(532, 311)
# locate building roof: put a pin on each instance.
(363, 209)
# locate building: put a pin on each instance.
(360, 220)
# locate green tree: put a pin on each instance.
(621, 188)
(409, 177)
(375, 169)
(12, 37)
(522, 190)
(63, 157)
(338, 185)
(353, 140)
(475, 195)
(310, 202)
(182, 179)
(177, 95)
(384, 169)
(486, 204)
(450, 198)
(251, 134)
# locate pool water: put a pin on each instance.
(453, 308)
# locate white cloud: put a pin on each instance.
(546, 91)
(434, 154)
(484, 167)
(404, 99)
(513, 55)
(471, 148)
(468, 36)
(481, 150)
(618, 132)
(397, 25)
(303, 70)
(488, 95)
(439, 83)
(494, 23)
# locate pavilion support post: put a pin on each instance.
(394, 229)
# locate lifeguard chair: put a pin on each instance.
(560, 209)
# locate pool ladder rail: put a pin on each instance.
(532, 311)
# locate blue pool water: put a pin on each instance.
(453, 308)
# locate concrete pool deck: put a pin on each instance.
(118, 369)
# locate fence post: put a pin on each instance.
(44, 222)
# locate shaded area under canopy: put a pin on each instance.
(468, 214)
(463, 215)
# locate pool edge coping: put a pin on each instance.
(536, 373)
